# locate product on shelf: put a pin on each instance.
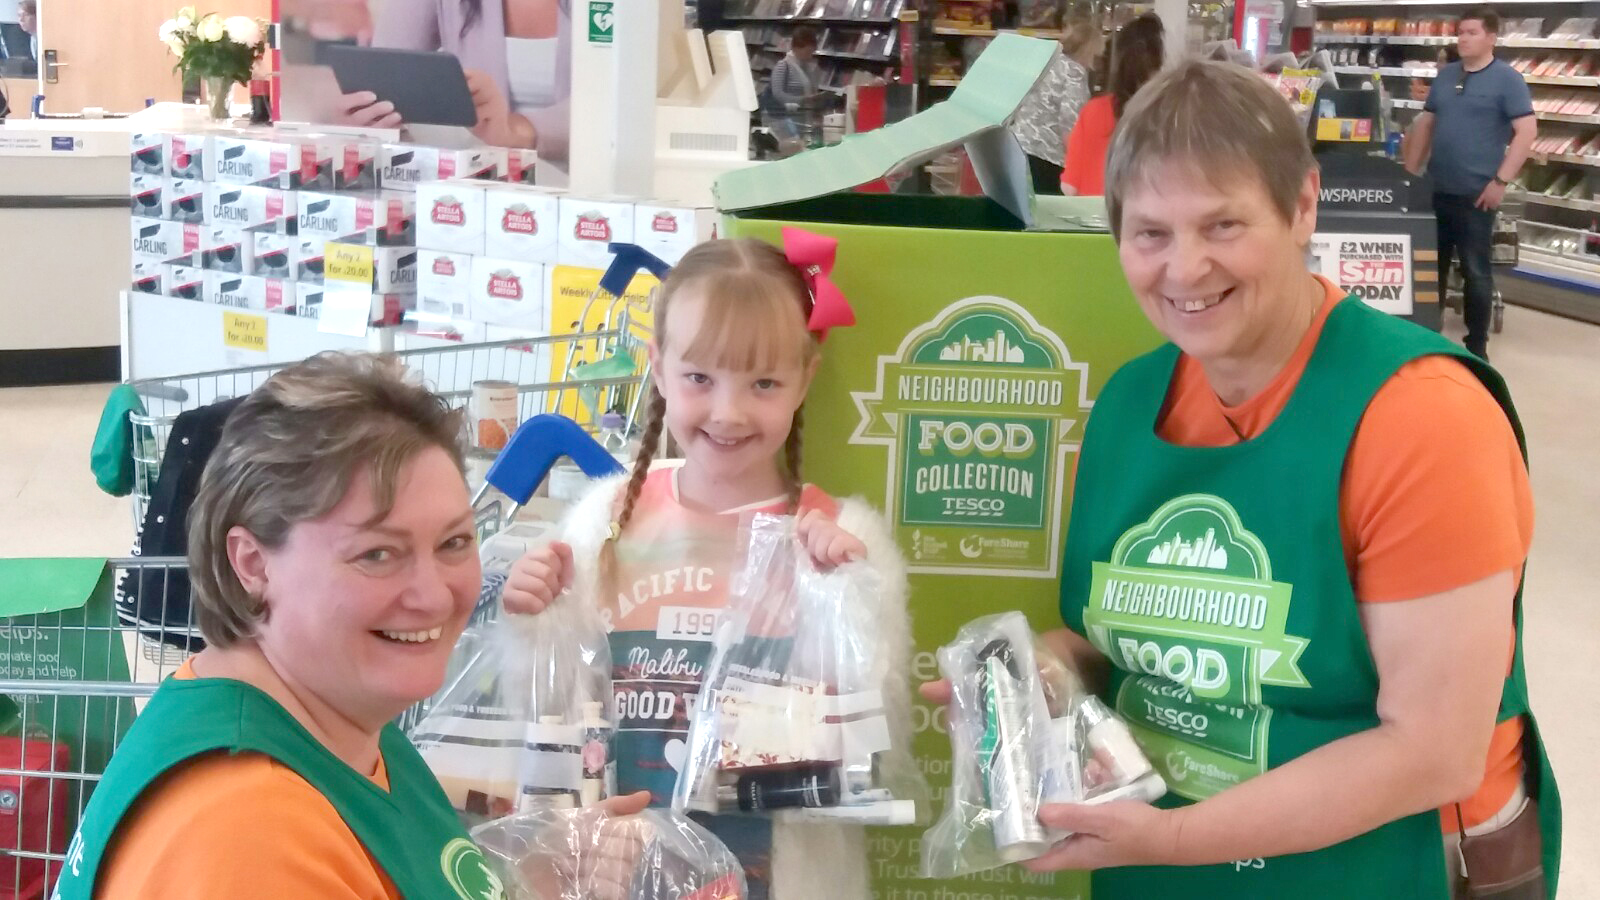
(161, 153)
(509, 292)
(1575, 29)
(249, 292)
(149, 278)
(251, 207)
(186, 283)
(394, 269)
(382, 218)
(274, 255)
(224, 248)
(147, 195)
(976, 14)
(386, 309)
(185, 200)
(165, 241)
(401, 167)
(450, 215)
(589, 226)
(1522, 28)
(444, 284)
(670, 230)
(291, 162)
(522, 222)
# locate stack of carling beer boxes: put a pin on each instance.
(245, 218)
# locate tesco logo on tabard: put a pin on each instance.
(664, 223)
(519, 219)
(593, 227)
(505, 286)
(448, 211)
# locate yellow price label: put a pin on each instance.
(348, 262)
(243, 331)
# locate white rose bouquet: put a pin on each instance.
(222, 51)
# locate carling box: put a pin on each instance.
(185, 200)
(387, 309)
(988, 293)
(162, 240)
(147, 195)
(251, 208)
(394, 269)
(381, 218)
(309, 161)
(164, 153)
(249, 292)
(227, 249)
(186, 282)
(401, 167)
(521, 222)
(274, 255)
(509, 292)
(450, 216)
(149, 277)
(589, 226)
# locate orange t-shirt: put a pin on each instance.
(1435, 494)
(1084, 169)
(242, 826)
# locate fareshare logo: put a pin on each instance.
(979, 408)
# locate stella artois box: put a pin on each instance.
(186, 282)
(589, 226)
(380, 218)
(274, 255)
(250, 208)
(249, 292)
(669, 230)
(450, 216)
(402, 167)
(509, 292)
(164, 241)
(444, 284)
(227, 249)
(522, 223)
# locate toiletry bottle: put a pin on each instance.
(1005, 758)
(1108, 740)
(811, 787)
(541, 765)
(596, 755)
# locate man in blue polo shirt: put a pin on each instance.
(1479, 124)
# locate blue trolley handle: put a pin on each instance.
(630, 258)
(533, 451)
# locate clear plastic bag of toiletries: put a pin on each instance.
(524, 718)
(585, 854)
(791, 719)
(1023, 732)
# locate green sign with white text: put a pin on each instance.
(602, 21)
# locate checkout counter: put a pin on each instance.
(64, 248)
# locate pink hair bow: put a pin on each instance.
(813, 255)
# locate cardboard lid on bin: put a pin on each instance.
(975, 115)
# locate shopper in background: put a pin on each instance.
(737, 343)
(1137, 54)
(1479, 126)
(1253, 570)
(1047, 115)
(333, 557)
(28, 21)
(796, 78)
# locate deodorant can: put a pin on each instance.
(1010, 777)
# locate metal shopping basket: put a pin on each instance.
(62, 732)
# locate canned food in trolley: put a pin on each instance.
(494, 413)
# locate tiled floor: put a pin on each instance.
(49, 506)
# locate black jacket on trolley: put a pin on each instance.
(158, 599)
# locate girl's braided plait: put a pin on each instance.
(791, 460)
(654, 421)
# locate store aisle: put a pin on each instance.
(49, 505)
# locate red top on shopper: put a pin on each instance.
(1084, 171)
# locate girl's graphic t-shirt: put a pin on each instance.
(674, 567)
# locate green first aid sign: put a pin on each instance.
(602, 21)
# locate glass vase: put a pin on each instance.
(219, 92)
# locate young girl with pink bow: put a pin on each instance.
(739, 328)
